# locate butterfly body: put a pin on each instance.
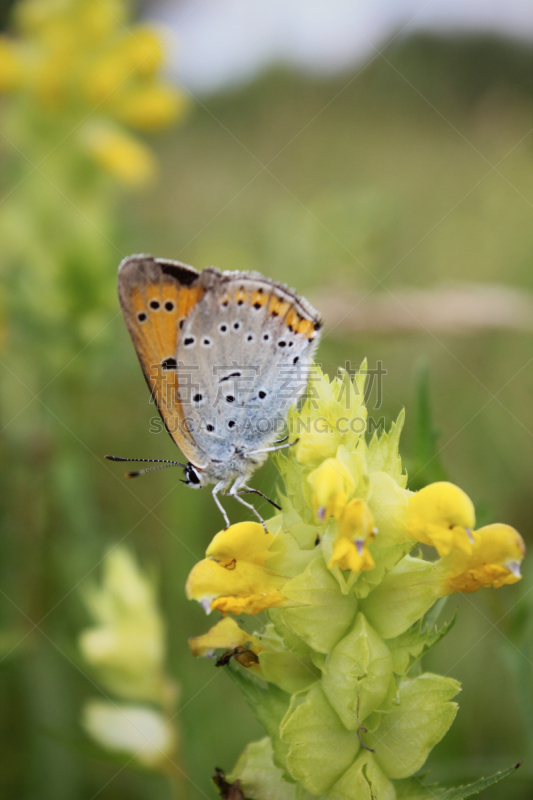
(225, 354)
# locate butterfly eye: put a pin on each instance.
(206, 342)
(191, 475)
(189, 341)
(231, 423)
(169, 305)
(155, 304)
(295, 359)
(169, 363)
(282, 343)
(250, 337)
(230, 398)
(210, 427)
(222, 328)
(198, 398)
(236, 326)
(141, 316)
(266, 337)
(262, 395)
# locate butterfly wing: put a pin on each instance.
(245, 354)
(156, 297)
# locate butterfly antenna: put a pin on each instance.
(163, 462)
(150, 469)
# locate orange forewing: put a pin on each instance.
(155, 295)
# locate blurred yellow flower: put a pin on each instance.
(356, 530)
(75, 59)
(443, 516)
(149, 108)
(495, 560)
(120, 154)
(136, 730)
(11, 67)
(126, 646)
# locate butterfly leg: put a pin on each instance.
(248, 489)
(234, 492)
(216, 489)
(272, 449)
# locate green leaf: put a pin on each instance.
(409, 647)
(269, 704)
(427, 464)
(321, 749)
(411, 730)
(323, 615)
(402, 598)
(416, 789)
(383, 452)
(259, 776)
(471, 789)
(358, 674)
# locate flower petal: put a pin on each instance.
(233, 579)
(495, 560)
(441, 515)
(225, 635)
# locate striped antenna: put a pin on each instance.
(163, 462)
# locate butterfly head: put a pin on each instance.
(193, 477)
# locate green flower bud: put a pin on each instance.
(411, 730)
(403, 596)
(358, 674)
(321, 749)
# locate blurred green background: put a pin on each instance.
(414, 171)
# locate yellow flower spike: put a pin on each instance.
(443, 516)
(356, 530)
(225, 635)
(233, 578)
(495, 560)
(120, 154)
(332, 485)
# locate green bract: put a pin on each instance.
(329, 676)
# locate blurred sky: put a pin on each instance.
(220, 43)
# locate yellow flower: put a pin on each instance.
(225, 635)
(233, 578)
(356, 530)
(443, 516)
(332, 484)
(120, 154)
(497, 554)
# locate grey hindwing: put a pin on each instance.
(240, 365)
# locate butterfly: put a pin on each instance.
(225, 355)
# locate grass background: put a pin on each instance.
(414, 171)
